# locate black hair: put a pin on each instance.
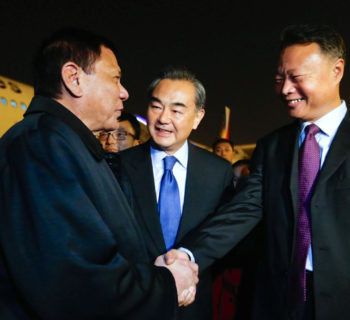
(68, 44)
(329, 40)
(126, 116)
(222, 140)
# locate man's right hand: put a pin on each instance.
(185, 274)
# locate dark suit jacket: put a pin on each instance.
(276, 159)
(208, 184)
(270, 193)
(70, 245)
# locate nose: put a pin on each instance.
(110, 139)
(287, 87)
(164, 116)
(124, 94)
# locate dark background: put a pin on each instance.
(232, 47)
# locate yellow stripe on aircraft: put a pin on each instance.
(15, 97)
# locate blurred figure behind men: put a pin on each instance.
(240, 168)
(128, 133)
(126, 136)
(224, 148)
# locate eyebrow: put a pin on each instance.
(288, 72)
(176, 104)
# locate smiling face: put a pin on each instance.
(172, 114)
(308, 81)
(103, 93)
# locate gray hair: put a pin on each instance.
(181, 74)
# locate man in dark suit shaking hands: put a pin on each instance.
(305, 176)
(299, 186)
(202, 181)
(70, 244)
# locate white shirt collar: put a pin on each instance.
(330, 122)
(181, 155)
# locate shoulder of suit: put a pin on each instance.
(285, 131)
(134, 152)
(207, 156)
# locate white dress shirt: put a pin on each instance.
(179, 169)
(179, 172)
(329, 125)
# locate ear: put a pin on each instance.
(338, 70)
(198, 118)
(71, 74)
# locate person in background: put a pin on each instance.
(229, 293)
(109, 141)
(224, 148)
(240, 168)
(128, 133)
(126, 136)
(70, 245)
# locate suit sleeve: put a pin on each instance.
(60, 254)
(232, 221)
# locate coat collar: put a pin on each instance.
(337, 153)
(42, 104)
(141, 175)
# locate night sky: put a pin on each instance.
(232, 47)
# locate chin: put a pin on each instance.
(111, 150)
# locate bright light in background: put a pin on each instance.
(142, 120)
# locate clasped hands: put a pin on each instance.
(184, 272)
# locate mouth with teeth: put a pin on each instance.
(293, 102)
(163, 132)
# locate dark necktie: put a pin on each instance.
(309, 166)
(169, 203)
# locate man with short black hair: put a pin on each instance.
(224, 148)
(126, 136)
(299, 186)
(70, 245)
(128, 133)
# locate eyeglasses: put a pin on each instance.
(117, 135)
(122, 135)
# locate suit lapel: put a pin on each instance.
(337, 153)
(141, 174)
(190, 191)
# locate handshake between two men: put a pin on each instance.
(184, 272)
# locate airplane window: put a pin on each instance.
(23, 106)
(14, 103)
(4, 101)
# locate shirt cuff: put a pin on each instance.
(189, 253)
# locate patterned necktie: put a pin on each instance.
(169, 203)
(309, 166)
